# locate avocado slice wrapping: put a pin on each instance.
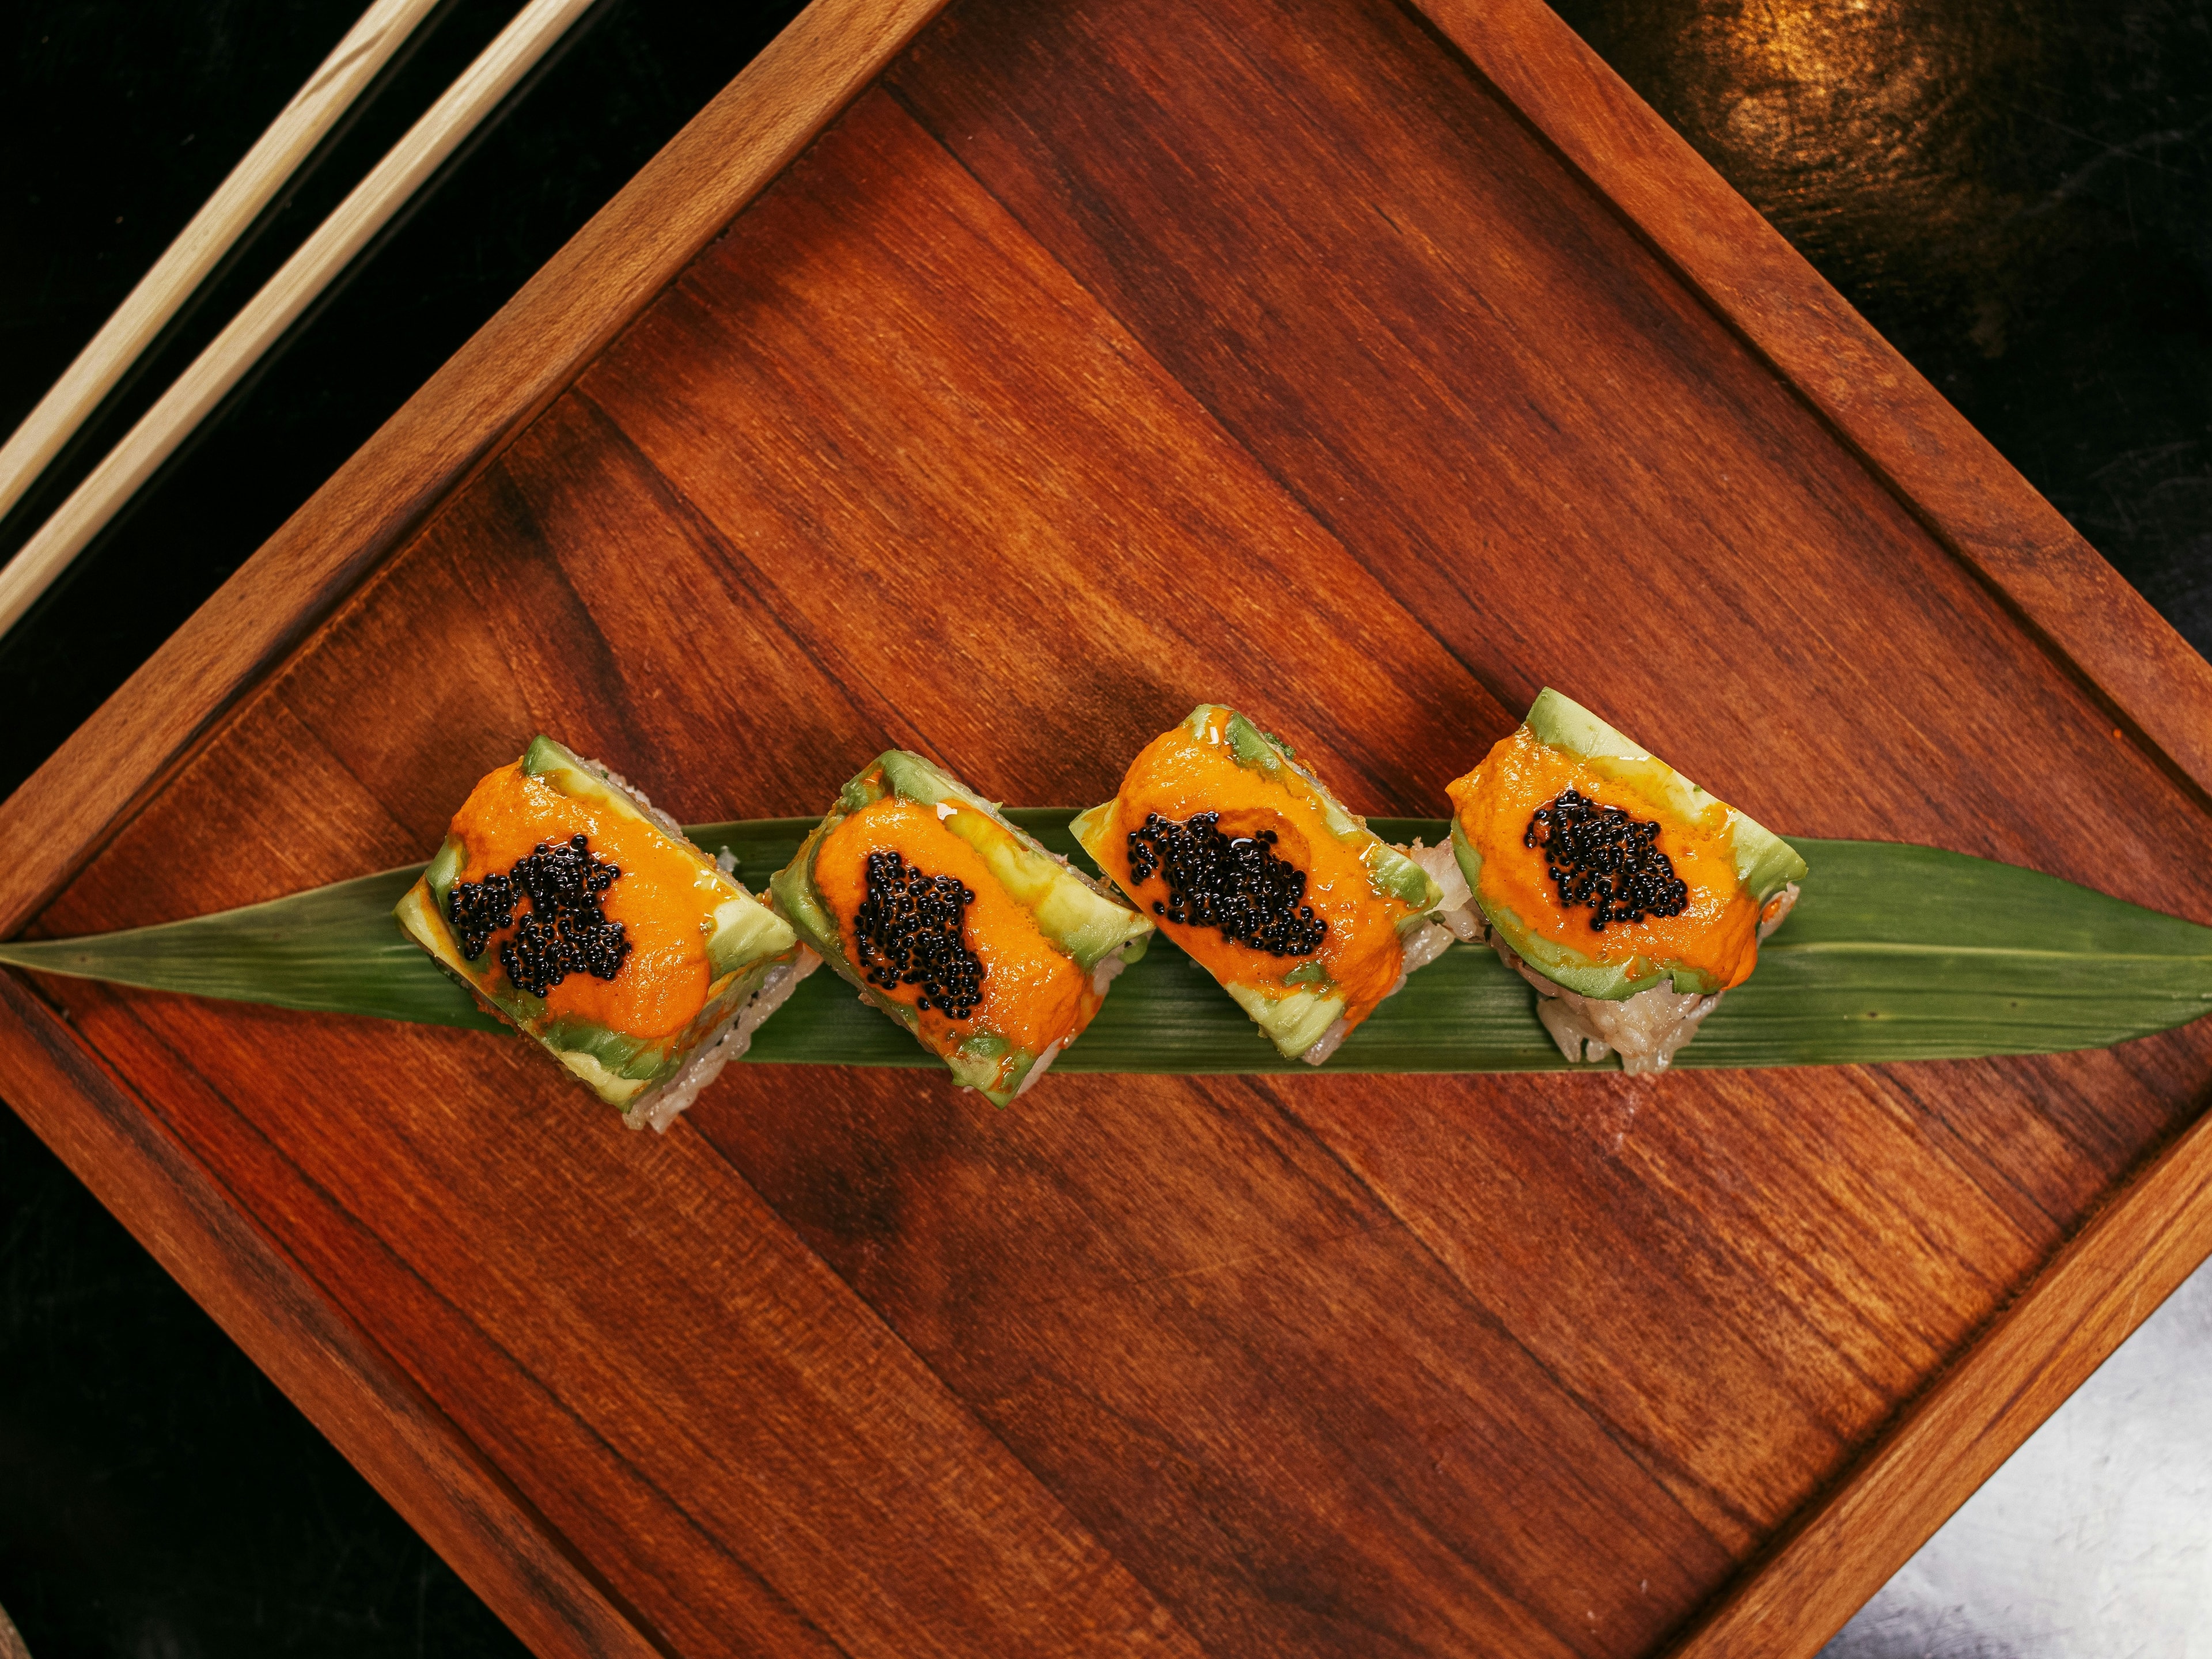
(746, 943)
(1082, 919)
(1301, 1015)
(1764, 864)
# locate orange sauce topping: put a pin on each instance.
(1717, 935)
(1179, 775)
(665, 979)
(1034, 994)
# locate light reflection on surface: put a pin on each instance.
(2017, 192)
(1875, 134)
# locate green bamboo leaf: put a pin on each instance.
(1893, 953)
(332, 951)
(1908, 954)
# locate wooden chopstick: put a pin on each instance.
(281, 299)
(184, 263)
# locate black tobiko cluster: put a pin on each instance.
(565, 931)
(1239, 885)
(912, 930)
(1600, 856)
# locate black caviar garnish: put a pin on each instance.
(478, 909)
(912, 930)
(1241, 886)
(1599, 856)
(563, 931)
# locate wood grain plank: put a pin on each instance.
(1724, 1251)
(270, 1307)
(2135, 1254)
(507, 371)
(1256, 1386)
(770, 1472)
(1113, 548)
(1951, 477)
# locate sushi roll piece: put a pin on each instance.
(1246, 860)
(583, 917)
(1627, 897)
(993, 952)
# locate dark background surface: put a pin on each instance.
(2017, 192)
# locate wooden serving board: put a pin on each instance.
(999, 385)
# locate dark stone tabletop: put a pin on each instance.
(2017, 193)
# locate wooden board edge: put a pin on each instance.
(382, 1424)
(1926, 454)
(2111, 1277)
(509, 371)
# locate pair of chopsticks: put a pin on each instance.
(186, 262)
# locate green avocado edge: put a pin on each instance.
(1080, 917)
